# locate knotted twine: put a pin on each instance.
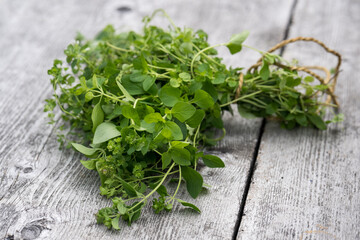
(323, 81)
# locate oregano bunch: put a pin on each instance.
(144, 105)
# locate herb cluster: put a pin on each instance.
(143, 106)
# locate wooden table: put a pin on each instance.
(278, 184)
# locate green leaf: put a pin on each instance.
(236, 41)
(94, 81)
(181, 156)
(205, 70)
(245, 113)
(183, 111)
(130, 113)
(179, 144)
(162, 191)
(213, 161)
(175, 83)
(97, 116)
(166, 133)
(203, 99)
(115, 113)
(185, 76)
(210, 89)
(143, 62)
(292, 82)
(115, 223)
(149, 127)
(219, 78)
(148, 82)
(90, 164)
(317, 121)
(84, 150)
(104, 132)
(154, 118)
(175, 130)
(166, 159)
(194, 181)
(271, 108)
(129, 189)
(182, 126)
(265, 71)
(130, 88)
(195, 120)
(121, 208)
(338, 118)
(282, 83)
(138, 77)
(169, 95)
(125, 92)
(308, 79)
(190, 205)
(301, 119)
(187, 47)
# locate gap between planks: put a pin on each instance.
(261, 132)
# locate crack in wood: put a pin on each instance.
(258, 143)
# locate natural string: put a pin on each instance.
(326, 81)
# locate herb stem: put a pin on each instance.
(178, 186)
(209, 58)
(118, 48)
(196, 134)
(156, 188)
(240, 98)
(170, 53)
(200, 52)
(163, 68)
(252, 48)
(157, 152)
(118, 99)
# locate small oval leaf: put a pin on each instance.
(104, 132)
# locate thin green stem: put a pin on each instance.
(178, 186)
(156, 188)
(200, 52)
(157, 152)
(58, 102)
(209, 58)
(162, 48)
(240, 98)
(163, 68)
(118, 99)
(254, 103)
(118, 48)
(251, 79)
(167, 16)
(252, 48)
(196, 134)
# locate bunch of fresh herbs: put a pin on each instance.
(142, 106)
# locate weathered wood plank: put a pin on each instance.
(306, 184)
(45, 193)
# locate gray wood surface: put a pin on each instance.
(45, 193)
(306, 184)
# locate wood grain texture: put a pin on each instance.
(306, 184)
(45, 193)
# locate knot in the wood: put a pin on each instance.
(31, 232)
(28, 170)
(124, 9)
(33, 229)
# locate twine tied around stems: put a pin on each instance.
(324, 81)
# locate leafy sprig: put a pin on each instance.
(144, 106)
